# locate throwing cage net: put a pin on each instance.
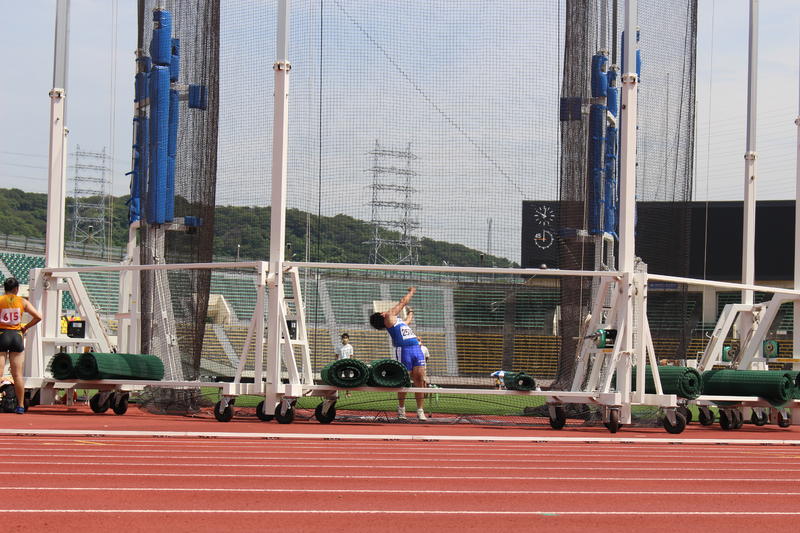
(444, 134)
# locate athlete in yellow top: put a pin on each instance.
(12, 308)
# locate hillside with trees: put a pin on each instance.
(339, 239)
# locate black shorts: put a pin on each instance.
(11, 341)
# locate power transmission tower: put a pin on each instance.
(394, 240)
(91, 202)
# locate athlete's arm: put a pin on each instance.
(390, 318)
(35, 315)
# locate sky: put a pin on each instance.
(100, 93)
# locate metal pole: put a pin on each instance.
(749, 225)
(627, 178)
(278, 210)
(54, 237)
(627, 199)
(796, 317)
(50, 306)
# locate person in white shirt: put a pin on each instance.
(346, 349)
(346, 352)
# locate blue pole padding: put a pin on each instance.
(134, 209)
(599, 77)
(198, 97)
(611, 193)
(612, 97)
(159, 134)
(172, 149)
(597, 121)
(161, 43)
(140, 87)
(175, 62)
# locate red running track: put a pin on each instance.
(175, 484)
(365, 477)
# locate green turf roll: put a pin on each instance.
(345, 373)
(775, 386)
(119, 366)
(63, 365)
(518, 381)
(682, 381)
(388, 373)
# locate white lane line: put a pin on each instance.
(295, 476)
(484, 446)
(328, 456)
(367, 436)
(549, 513)
(363, 466)
(338, 490)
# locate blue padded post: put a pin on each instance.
(198, 97)
(140, 87)
(159, 134)
(599, 77)
(597, 121)
(610, 188)
(172, 149)
(175, 62)
(161, 43)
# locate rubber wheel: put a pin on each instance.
(738, 419)
(327, 418)
(561, 418)
(264, 417)
(286, 418)
(726, 420)
(680, 423)
(784, 422)
(758, 420)
(613, 424)
(97, 407)
(223, 416)
(706, 417)
(120, 406)
(686, 412)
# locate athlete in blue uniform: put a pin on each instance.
(407, 349)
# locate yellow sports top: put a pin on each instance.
(12, 308)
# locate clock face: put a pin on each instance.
(544, 215)
(543, 239)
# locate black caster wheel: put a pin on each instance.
(560, 419)
(223, 415)
(686, 412)
(727, 420)
(264, 417)
(97, 407)
(120, 404)
(758, 419)
(613, 424)
(325, 418)
(706, 417)
(678, 427)
(284, 418)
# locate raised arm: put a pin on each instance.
(391, 314)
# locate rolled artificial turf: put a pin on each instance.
(345, 373)
(63, 365)
(92, 366)
(682, 381)
(775, 386)
(518, 381)
(388, 373)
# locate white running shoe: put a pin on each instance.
(401, 413)
(421, 415)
